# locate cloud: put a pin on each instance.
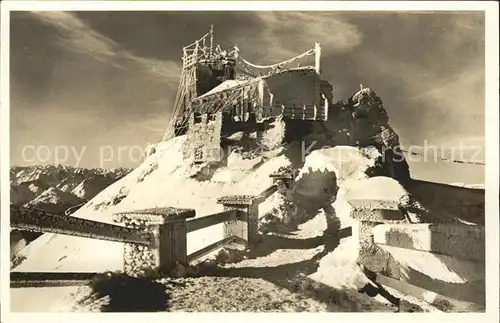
(446, 106)
(282, 35)
(153, 124)
(79, 37)
(441, 84)
(449, 91)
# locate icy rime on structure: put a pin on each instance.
(221, 93)
(30, 219)
(370, 213)
(246, 229)
(284, 178)
(168, 228)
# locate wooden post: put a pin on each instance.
(368, 214)
(261, 90)
(168, 246)
(246, 227)
(317, 52)
(327, 104)
(195, 52)
(236, 51)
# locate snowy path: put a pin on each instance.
(283, 273)
(302, 268)
(280, 265)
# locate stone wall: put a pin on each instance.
(168, 247)
(447, 203)
(446, 259)
(203, 138)
(140, 260)
(457, 240)
(245, 228)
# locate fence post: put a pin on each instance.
(168, 246)
(247, 226)
(284, 174)
(368, 214)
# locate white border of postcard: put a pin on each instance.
(492, 149)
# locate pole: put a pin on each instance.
(317, 52)
(211, 39)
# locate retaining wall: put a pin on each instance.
(203, 138)
(168, 247)
(448, 203)
(29, 219)
(444, 258)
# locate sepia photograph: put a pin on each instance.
(288, 157)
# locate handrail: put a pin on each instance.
(163, 232)
(50, 279)
(40, 221)
(208, 249)
(268, 192)
(213, 219)
(196, 42)
(70, 209)
(438, 300)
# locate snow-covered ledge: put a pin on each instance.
(452, 239)
(168, 226)
(368, 214)
(246, 228)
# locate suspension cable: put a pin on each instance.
(307, 53)
(482, 163)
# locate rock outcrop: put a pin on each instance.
(362, 121)
(26, 183)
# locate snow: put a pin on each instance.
(224, 86)
(164, 179)
(236, 161)
(371, 189)
(440, 267)
(338, 269)
(51, 184)
(54, 196)
(345, 161)
(57, 296)
(476, 186)
(90, 187)
(167, 185)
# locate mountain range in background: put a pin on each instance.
(58, 187)
(55, 189)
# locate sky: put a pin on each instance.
(93, 89)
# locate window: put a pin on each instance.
(197, 117)
(198, 155)
(210, 117)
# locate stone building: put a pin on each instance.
(221, 93)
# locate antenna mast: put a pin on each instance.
(211, 39)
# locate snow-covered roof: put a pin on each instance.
(230, 84)
(226, 85)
